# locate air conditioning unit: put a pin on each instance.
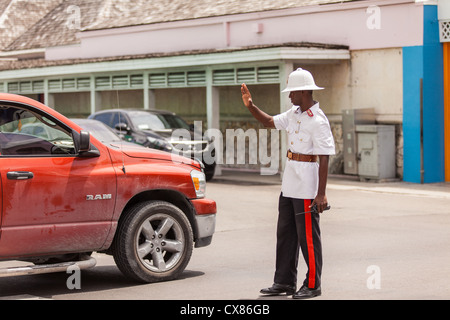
(350, 119)
(376, 152)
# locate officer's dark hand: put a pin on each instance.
(246, 96)
(321, 202)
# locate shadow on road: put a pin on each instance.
(92, 280)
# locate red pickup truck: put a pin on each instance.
(64, 195)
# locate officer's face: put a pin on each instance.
(297, 97)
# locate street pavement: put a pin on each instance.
(381, 241)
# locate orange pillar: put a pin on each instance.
(446, 46)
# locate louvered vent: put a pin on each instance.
(38, 86)
(68, 84)
(120, 82)
(103, 82)
(13, 87)
(54, 85)
(136, 81)
(196, 78)
(246, 75)
(268, 74)
(176, 79)
(157, 80)
(25, 86)
(223, 76)
(193, 78)
(83, 83)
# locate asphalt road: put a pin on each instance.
(380, 241)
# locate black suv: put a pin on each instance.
(153, 129)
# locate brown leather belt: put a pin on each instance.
(301, 157)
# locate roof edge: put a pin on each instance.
(42, 63)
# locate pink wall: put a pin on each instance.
(360, 25)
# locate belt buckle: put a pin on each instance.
(289, 155)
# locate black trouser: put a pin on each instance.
(294, 231)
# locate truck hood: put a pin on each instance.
(136, 151)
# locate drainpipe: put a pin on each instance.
(421, 132)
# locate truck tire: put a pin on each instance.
(153, 243)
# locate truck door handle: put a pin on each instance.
(19, 175)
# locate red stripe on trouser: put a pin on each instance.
(310, 245)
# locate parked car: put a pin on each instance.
(100, 131)
(66, 194)
(154, 128)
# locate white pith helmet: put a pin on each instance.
(301, 80)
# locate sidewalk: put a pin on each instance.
(341, 182)
(246, 177)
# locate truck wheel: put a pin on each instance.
(154, 242)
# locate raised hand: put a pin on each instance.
(246, 96)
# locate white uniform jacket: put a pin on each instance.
(307, 133)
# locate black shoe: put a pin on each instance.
(277, 289)
(306, 293)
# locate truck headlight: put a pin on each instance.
(199, 182)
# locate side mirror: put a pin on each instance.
(122, 128)
(84, 147)
(85, 142)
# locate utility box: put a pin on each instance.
(376, 151)
(350, 119)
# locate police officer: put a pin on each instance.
(303, 186)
